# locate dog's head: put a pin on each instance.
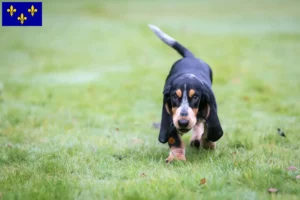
(187, 100)
(184, 102)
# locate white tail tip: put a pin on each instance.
(163, 36)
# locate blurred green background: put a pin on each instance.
(78, 97)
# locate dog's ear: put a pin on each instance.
(208, 110)
(214, 128)
(166, 122)
(166, 98)
(166, 118)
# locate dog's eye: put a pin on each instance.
(174, 97)
(195, 97)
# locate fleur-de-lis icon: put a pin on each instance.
(22, 18)
(32, 10)
(11, 10)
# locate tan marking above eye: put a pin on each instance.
(191, 93)
(179, 93)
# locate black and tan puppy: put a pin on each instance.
(188, 102)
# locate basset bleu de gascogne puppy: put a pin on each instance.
(188, 102)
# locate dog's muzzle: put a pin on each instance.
(183, 125)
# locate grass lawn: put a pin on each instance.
(80, 94)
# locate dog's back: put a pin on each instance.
(189, 64)
(192, 65)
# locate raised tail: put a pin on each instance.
(171, 42)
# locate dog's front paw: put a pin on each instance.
(176, 154)
(195, 143)
(171, 158)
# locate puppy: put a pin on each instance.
(188, 102)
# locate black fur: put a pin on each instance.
(197, 74)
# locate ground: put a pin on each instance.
(80, 94)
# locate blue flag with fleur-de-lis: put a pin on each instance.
(22, 14)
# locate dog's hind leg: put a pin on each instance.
(177, 150)
(205, 143)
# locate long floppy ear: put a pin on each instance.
(166, 118)
(166, 121)
(208, 108)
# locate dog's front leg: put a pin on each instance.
(198, 131)
(177, 151)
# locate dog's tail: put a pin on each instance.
(171, 41)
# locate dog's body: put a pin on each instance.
(188, 102)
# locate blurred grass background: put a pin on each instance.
(79, 96)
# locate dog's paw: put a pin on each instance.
(195, 143)
(178, 157)
(209, 145)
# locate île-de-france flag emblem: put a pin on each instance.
(22, 14)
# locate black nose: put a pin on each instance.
(183, 122)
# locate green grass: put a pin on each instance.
(79, 96)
